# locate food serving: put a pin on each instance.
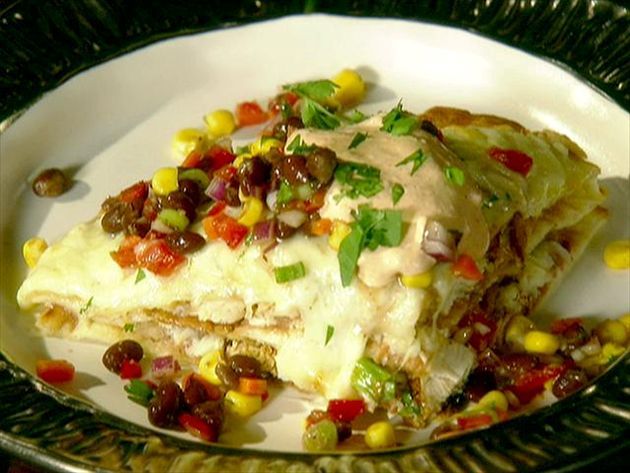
(383, 262)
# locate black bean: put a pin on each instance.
(321, 164)
(227, 375)
(569, 382)
(179, 201)
(211, 412)
(119, 352)
(166, 405)
(294, 123)
(244, 365)
(254, 173)
(50, 183)
(185, 242)
(118, 217)
(190, 189)
(195, 392)
(294, 170)
(478, 384)
(574, 337)
(140, 227)
(344, 430)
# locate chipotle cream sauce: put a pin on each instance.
(428, 196)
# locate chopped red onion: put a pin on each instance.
(164, 366)
(216, 189)
(438, 242)
(293, 218)
(264, 230)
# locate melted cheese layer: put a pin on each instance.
(238, 287)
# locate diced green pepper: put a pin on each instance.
(175, 219)
(321, 437)
(372, 381)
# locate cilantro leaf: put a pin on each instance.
(316, 116)
(489, 202)
(417, 158)
(129, 327)
(357, 140)
(454, 175)
(330, 331)
(297, 146)
(317, 90)
(399, 122)
(285, 193)
(358, 179)
(397, 193)
(356, 116)
(372, 228)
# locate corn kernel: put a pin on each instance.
(187, 140)
(220, 123)
(165, 181)
(549, 384)
(417, 281)
(380, 435)
(351, 90)
(540, 342)
(612, 331)
(252, 211)
(240, 159)
(338, 232)
(495, 400)
(243, 405)
(610, 351)
(32, 250)
(617, 254)
(516, 329)
(208, 365)
(263, 145)
(625, 320)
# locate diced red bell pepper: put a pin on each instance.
(250, 113)
(138, 191)
(197, 427)
(219, 157)
(532, 383)
(226, 228)
(561, 326)
(512, 159)
(130, 369)
(193, 160)
(465, 267)
(125, 256)
(158, 257)
(255, 386)
(55, 371)
(345, 410)
(474, 422)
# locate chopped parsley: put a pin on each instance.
(357, 140)
(297, 146)
(454, 175)
(372, 228)
(140, 276)
(129, 327)
(489, 202)
(399, 122)
(358, 180)
(313, 93)
(417, 158)
(397, 192)
(289, 273)
(330, 331)
(87, 306)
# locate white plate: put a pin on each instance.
(113, 125)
